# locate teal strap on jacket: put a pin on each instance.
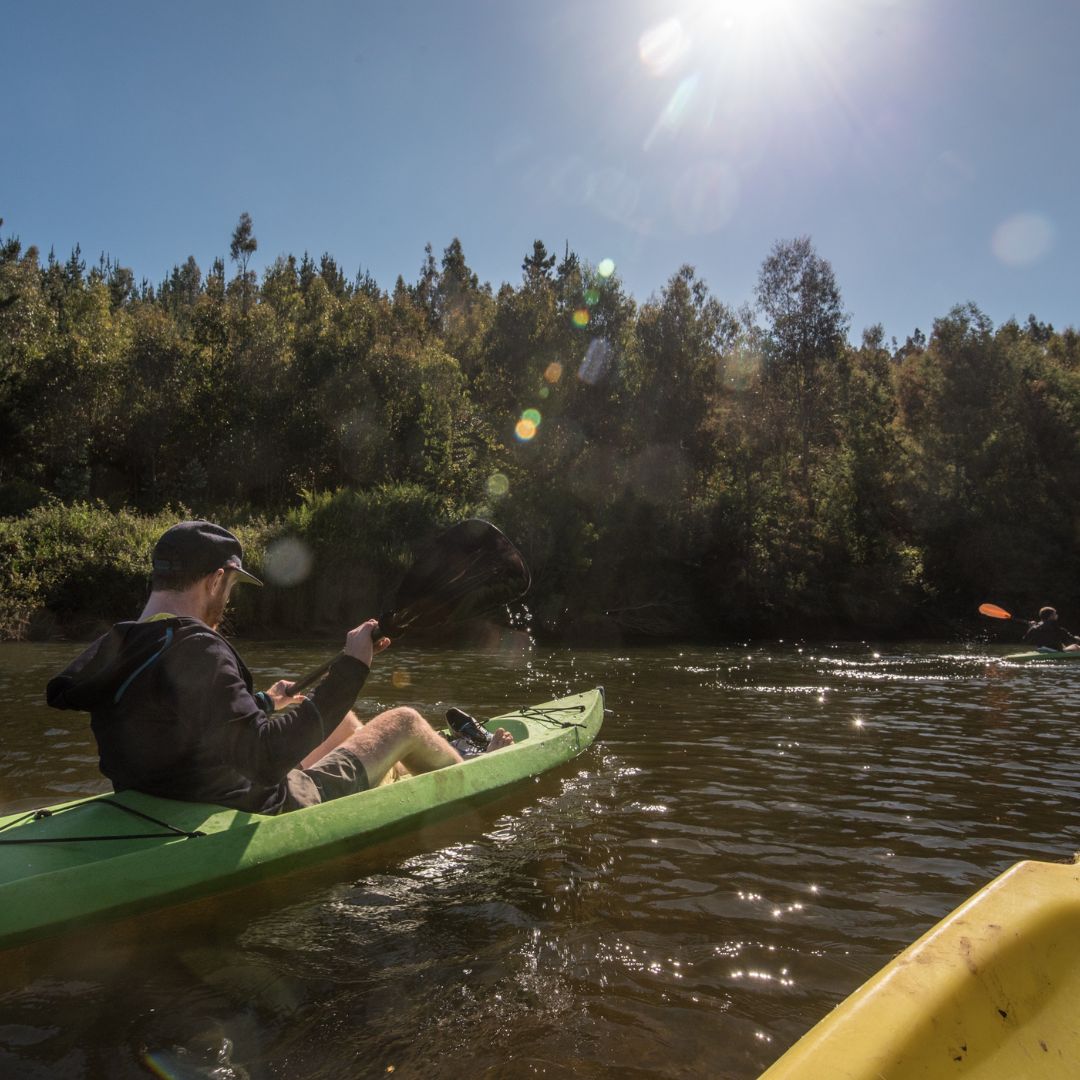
(143, 666)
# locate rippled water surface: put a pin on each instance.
(755, 832)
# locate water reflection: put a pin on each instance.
(757, 831)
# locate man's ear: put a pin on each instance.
(215, 582)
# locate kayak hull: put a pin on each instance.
(989, 992)
(1041, 656)
(54, 882)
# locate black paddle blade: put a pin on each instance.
(465, 571)
(468, 570)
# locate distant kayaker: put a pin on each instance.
(1047, 633)
(174, 713)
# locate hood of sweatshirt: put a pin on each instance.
(107, 668)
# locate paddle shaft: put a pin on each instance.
(313, 676)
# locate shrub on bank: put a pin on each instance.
(72, 567)
(72, 570)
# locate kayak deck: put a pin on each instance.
(116, 854)
(989, 992)
(1035, 656)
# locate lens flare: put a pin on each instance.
(662, 46)
(606, 268)
(525, 429)
(580, 317)
(553, 372)
(592, 297)
(677, 110)
(288, 561)
(597, 362)
(532, 415)
(1023, 240)
(159, 1064)
(401, 679)
(498, 485)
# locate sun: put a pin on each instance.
(737, 68)
(762, 28)
(752, 16)
(743, 34)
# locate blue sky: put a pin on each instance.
(928, 147)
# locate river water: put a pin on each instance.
(755, 832)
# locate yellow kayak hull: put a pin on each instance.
(991, 992)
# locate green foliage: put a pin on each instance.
(81, 565)
(380, 521)
(690, 469)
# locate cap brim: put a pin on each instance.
(243, 575)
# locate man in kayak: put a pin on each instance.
(1046, 633)
(174, 713)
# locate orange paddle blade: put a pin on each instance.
(993, 611)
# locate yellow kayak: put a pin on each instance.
(992, 991)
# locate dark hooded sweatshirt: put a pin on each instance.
(1049, 635)
(172, 709)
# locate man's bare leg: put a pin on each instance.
(400, 734)
(500, 738)
(403, 735)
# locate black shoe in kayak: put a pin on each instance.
(465, 727)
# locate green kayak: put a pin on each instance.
(1043, 656)
(113, 855)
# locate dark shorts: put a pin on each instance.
(339, 773)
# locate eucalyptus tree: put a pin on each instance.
(957, 402)
(168, 435)
(804, 349)
(242, 246)
(989, 421)
(72, 390)
(28, 328)
(463, 308)
(676, 376)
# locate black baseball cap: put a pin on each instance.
(200, 547)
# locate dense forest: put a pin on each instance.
(671, 468)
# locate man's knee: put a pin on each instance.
(395, 728)
(401, 718)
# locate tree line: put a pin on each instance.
(675, 467)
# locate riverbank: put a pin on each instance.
(67, 572)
